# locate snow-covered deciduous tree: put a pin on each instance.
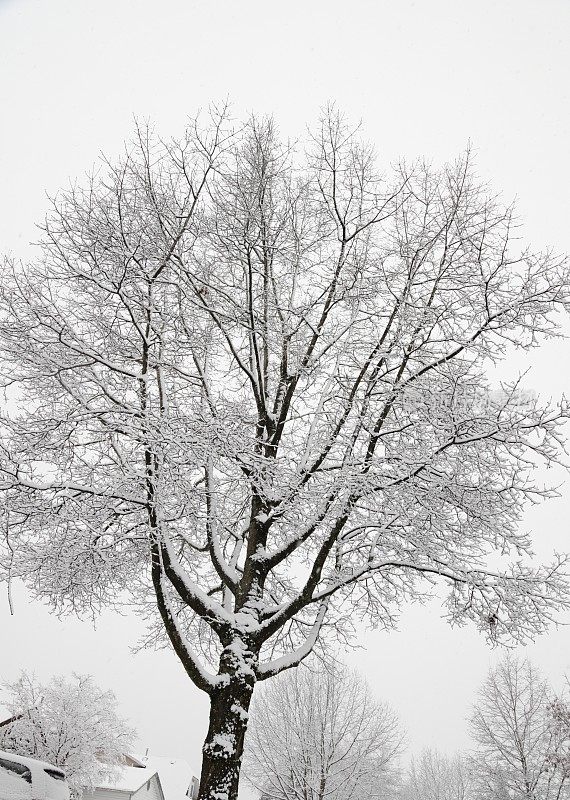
(247, 386)
(521, 751)
(69, 722)
(434, 776)
(322, 736)
(559, 723)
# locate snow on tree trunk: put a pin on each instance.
(229, 706)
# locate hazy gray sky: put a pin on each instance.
(425, 78)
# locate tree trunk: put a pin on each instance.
(229, 706)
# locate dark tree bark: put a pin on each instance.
(229, 708)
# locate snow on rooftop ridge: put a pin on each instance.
(128, 779)
(176, 775)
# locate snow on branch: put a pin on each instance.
(247, 380)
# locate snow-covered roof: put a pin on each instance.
(129, 779)
(175, 775)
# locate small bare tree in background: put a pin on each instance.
(522, 749)
(70, 723)
(322, 736)
(248, 392)
(559, 711)
(434, 776)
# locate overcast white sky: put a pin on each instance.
(425, 77)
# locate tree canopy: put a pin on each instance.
(322, 734)
(247, 386)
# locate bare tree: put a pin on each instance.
(520, 751)
(321, 736)
(559, 713)
(434, 776)
(248, 388)
(70, 723)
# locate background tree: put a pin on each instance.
(559, 713)
(434, 776)
(320, 735)
(248, 387)
(521, 752)
(71, 723)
